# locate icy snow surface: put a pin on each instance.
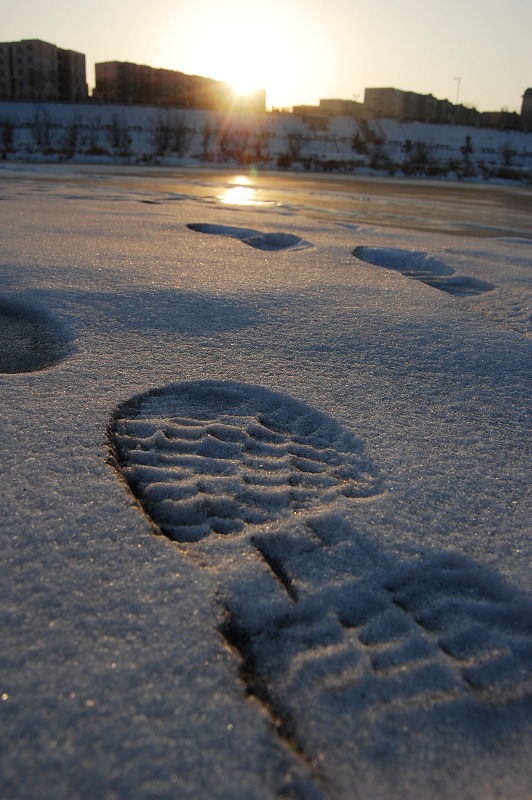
(266, 518)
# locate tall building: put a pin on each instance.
(526, 109)
(124, 82)
(127, 83)
(72, 75)
(36, 70)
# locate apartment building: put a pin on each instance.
(35, 70)
(526, 109)
(335, 107)
(387, 103)
(404, 106)
(127, 83)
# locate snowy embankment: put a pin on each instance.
(266, 501)
(97, 133)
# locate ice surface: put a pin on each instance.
(338, 454)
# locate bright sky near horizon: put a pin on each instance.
(299, 51)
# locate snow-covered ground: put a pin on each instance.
(147, 134)
(265, 495)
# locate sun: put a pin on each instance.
(250, 46)
(244, 62)
(252, 63)
(244, 85)
(240, 66)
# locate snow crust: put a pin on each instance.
(266, 509)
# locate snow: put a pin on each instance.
(265, 478)
(152, 135)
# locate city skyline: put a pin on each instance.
(300, 51)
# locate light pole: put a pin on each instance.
(458, 82)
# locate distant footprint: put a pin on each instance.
(261, 241)
(211, 457)
(30, 340)
(421, 267)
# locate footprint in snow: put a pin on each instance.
(346, 645)
(261, 241)
(326, 626)
(213, 457)
(421, 267)
(31, 341)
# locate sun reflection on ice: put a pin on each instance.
(240, 192)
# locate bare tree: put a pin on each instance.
(170, 134)
(295, 145)
(161, 135)
(207, 134)
(118, 135)
(71, 137)
(466, 150)
(42, 128)
(7, 135)
(180, 134)
(261, 145)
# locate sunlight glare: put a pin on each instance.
(245, 81)
(240, 192)
(241, 65)
(239, 196)
(252, 47)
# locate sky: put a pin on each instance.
(477, 53)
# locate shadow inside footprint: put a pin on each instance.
(30, 340)
(215, 456)
(345, 638)
(260, 241)
(421, 267)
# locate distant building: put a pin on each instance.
(526, 109)
(254, 101)
(312, 116)
(304, 110)
(389, 103)
(36, 70)
(123, 82)
(127, 83)
(339, 108)
(504, 120)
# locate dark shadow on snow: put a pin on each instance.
(261, 241)
(31, 339)
(421, 267)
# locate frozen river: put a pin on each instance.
(472, 209)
